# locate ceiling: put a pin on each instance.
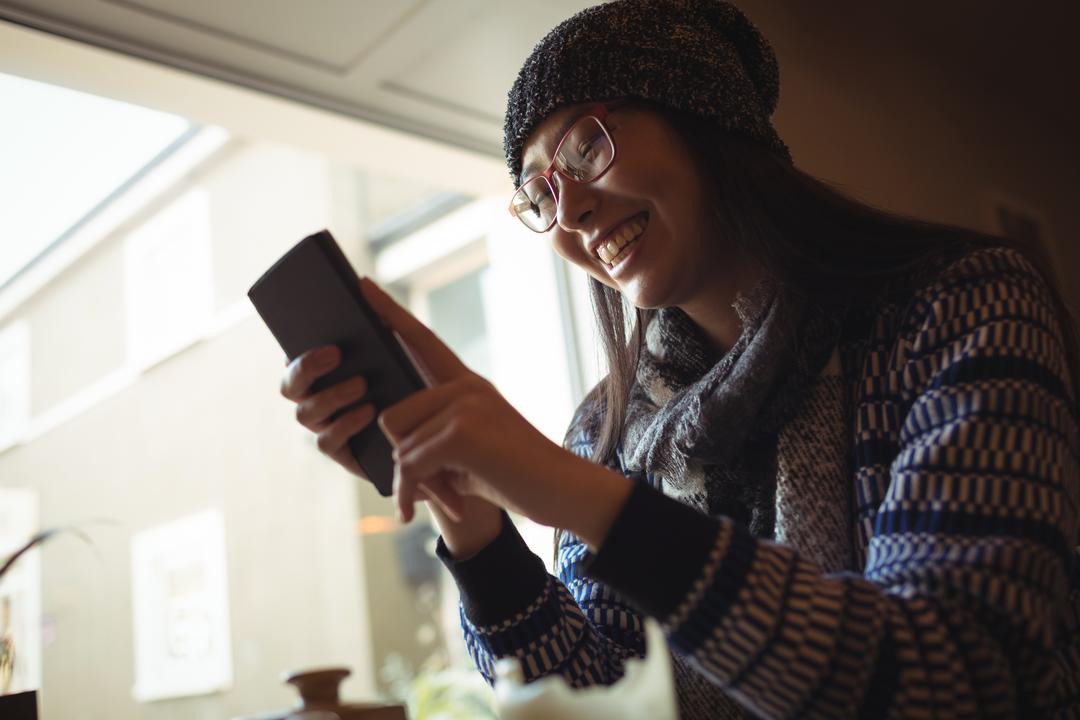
(441, 68)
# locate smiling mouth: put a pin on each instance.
(617, 247)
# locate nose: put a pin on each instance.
(577, 202)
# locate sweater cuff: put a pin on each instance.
(654, 551)
(500, 581)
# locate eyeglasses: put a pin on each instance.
(585, 153)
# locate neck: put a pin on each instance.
(713, 309)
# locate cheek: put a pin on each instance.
(662, 173)
(677, 192)
(563, 243)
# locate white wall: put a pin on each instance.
(204, 428)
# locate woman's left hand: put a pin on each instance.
(461, 437)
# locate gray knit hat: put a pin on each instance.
(701, 56)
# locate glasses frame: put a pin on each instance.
(598, 113)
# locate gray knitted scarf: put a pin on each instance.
(719, 432)
(760, 435)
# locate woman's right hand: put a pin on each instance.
(467, 526)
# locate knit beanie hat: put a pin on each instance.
(700, 56)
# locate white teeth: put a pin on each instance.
(619, 258)
(610, 250)
(625, 234)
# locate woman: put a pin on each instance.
(837, 456)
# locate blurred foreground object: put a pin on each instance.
(20, 706)
(319, 700)
(645, 692)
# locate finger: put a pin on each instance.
(334, 437)
(431, 423)
(440, 460)
(420, 466)
(431, 481)
(435, 453)
(314, 412)
(306, 368)
(430, 455)
(426, 346)
(404, 494)
(458, 482)
(439, 491)
(402, 419)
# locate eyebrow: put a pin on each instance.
(531, 168)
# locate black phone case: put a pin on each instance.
(311, 297)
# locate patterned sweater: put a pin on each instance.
(964, 599)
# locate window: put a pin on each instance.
(139, 398)
(65, 153)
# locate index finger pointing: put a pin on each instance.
(431, 351)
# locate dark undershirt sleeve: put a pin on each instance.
(636, 557)
(499, 581)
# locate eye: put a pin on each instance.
(539, 195)
(541, 199)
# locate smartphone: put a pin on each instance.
(311, 297)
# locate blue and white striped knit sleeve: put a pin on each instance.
(511, 606)
(966, 573)
(576, 628)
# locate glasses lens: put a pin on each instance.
(586, 152)
(534, 204)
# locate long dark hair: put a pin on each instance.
(817, 241)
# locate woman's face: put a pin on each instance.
(652, 192)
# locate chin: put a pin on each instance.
(642, 302)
